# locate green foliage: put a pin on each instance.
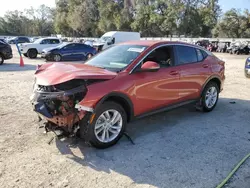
(152, 18)
(30, 22)
(233, 24)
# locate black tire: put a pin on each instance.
(57, 57)
(25, 55)
(204, 106)
(87, 131)
(32, 53)
(1, 59)
(246, 74)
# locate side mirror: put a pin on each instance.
(150, 66)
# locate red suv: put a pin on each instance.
(125, 82)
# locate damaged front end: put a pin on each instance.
(56, 104)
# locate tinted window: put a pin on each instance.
(199, 55)
(204, 54)
(163, 56)
(54, 41)
(45, 41)
(186, 54)
(23, 39)
(69, 47)
(79, 46)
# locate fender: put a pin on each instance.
(122, 96)
(208, 80)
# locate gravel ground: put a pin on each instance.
(178, 149)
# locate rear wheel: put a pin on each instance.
(107, 126)
(1, 59)
(209, 97)
(32, 53)
(89, 56)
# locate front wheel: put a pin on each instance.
(210, 97)
(57, 58)
(107, 126)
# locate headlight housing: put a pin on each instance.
(35, 86)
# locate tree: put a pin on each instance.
(61, 24)
(83, 16)
(233, 24)
(41, 20)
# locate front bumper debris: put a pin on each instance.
(58, 107)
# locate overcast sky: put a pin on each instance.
(22, 4)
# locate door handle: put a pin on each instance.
(205, 66)
(173, 73)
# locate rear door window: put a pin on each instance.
(186, 54)
(70, 47)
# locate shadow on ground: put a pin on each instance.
(181, 148)
(16, 67)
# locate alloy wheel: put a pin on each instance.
(211, 97)
(108, 126)
(57, 58)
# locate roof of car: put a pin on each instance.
(153, 42)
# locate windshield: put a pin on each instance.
(62, 45)
(38, 41)
(104, 39)
(117, 57)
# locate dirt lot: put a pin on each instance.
(177, 149)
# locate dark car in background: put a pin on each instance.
(247, 68)
(69, 52)
(18, 40)
(242, 49)
(3, 40)
(5, 52)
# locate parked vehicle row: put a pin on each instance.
(226, 47)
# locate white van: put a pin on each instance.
(115, 37)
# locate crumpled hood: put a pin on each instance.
(56, 73)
